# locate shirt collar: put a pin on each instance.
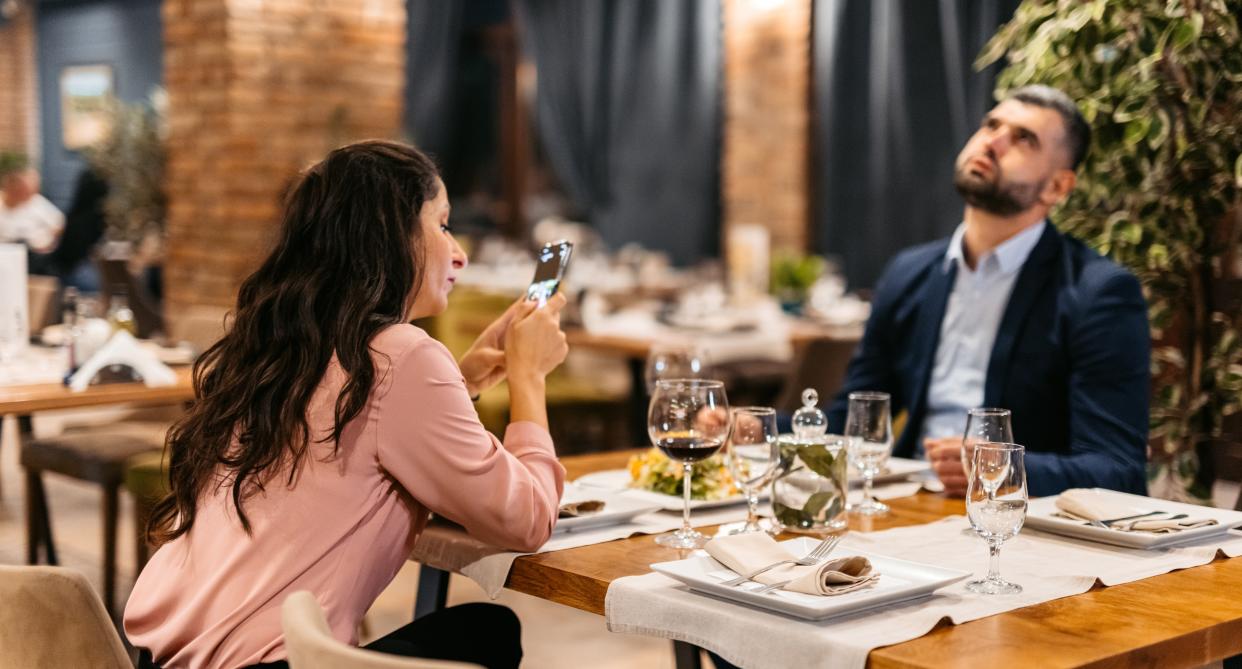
(1010, 255)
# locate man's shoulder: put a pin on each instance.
(914, 259)
(1090, 270)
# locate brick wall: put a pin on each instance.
(764, 177)
(257, 91)
(19, 124)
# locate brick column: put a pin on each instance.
(19, 120)
(766, 139)
(257, 91)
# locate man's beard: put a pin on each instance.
(997, 196)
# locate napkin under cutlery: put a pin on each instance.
(581, 508)
(745, 553)
(1087, 504)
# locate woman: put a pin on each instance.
(326, 429)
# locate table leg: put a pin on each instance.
(687, 656)
(432, 591)
(638, 399)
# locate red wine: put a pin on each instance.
(689, 449)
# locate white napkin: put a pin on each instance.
(745, 553)
(123, 349)
(1089, 504)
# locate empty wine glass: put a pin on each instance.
(984, 424)
(673, 361)
(870, 431)
(996, 506)
(753, 458)
(688, 420)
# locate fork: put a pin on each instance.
(1108, 524)
(816, 556)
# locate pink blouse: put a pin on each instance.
(212, 597)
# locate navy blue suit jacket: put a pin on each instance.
(1071, 361)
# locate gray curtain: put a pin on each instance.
(895, 98)
(628, 112)
(434, 34)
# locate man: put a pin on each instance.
(26, 217)
(1010, 313)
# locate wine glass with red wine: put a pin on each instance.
(689, 421)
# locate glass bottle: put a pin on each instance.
(119, 314)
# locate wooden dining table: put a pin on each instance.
(1185, 618)
(23, 401)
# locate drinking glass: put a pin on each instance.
(688, 420)
(753, 458)
(673, 361)
(984, 424)
(996, 506)
(870, 431)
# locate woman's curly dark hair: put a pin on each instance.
(347, 260)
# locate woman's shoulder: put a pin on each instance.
(402, 340)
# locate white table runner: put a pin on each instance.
(1047, 566)
(447, 546)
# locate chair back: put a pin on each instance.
(310, 643)
(50, 617)
(42, 296)
(115, 275)
(820, 364)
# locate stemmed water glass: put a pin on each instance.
(673, 361)
(869, 429)
(688, 420)
(985, 424)
(754, 457)
(996, 506)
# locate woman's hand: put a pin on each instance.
(483, 366)
(534, 343)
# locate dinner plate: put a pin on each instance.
(1039, 515)
(617, 508)
(900, 580)
(618, 481)
(897, 469)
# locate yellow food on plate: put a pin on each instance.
(652, 470)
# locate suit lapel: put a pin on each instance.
(1032, 278)
(927, 331)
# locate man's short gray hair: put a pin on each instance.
(1077, 131)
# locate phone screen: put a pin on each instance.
(549, 270)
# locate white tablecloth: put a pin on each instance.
(1048, 567)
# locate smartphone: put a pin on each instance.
(550, 269)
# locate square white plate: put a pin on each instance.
(1039, 515)
(617, 509)
(900, 580)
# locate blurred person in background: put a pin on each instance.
(326, 429)
(26, 217)
(1010, 313)
(84, 227)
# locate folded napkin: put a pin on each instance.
(123, 349)
(745, 553)
(1089, 504)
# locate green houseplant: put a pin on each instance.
(1159, 192)
(792, 276)
(131, 159)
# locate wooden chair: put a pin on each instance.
(42, 296)
(96, 454)
(820, 364)
(310, 643)
(50, 617)
(115, 276)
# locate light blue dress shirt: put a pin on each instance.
(972, 317)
